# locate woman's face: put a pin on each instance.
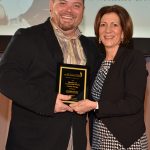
(110, 30)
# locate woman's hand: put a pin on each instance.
(83, 106)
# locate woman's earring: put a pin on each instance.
(99, 40)
(121, 40)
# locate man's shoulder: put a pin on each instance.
(30, 30)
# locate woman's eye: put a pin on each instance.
(115, 25)
(102, 24)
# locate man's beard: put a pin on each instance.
(67, 27)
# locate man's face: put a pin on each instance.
(67, 14)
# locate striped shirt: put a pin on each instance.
(71, 47)
(72, 53)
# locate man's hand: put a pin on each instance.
(60, 106)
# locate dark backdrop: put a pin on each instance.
(142, 44)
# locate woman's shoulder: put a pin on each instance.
(132, 53)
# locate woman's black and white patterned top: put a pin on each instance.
(99, 80)
(102, 138)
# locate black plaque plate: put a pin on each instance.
(73, 81)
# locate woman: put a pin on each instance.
(119, 86)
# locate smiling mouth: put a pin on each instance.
(67, 17)
(108, 37)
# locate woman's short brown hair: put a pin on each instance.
(125, 20)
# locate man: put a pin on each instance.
(28, 74)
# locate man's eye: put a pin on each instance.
(77, 6)
(62, 3)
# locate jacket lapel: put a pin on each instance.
(52, 42)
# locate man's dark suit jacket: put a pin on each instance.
(28, 72)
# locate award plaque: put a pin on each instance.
(73, 81)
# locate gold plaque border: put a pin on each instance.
(73, 68)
